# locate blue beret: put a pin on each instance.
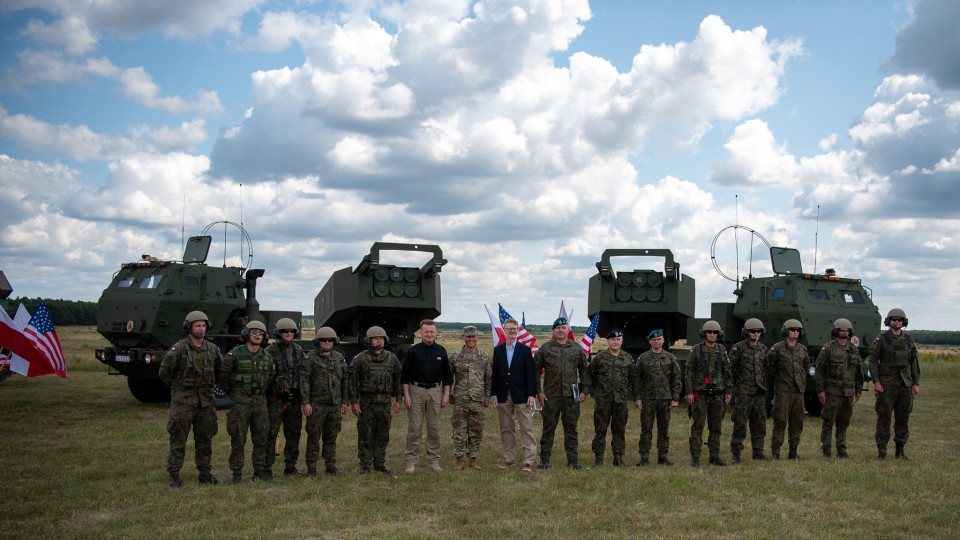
(655, 334)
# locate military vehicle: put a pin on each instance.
(395, 298)
(816, 300)
(639, 301)
(141, 313)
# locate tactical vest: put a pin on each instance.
(251, 376)
(197, 371)
(379, 379)
(710, 377)
(896, 352)
(838, 370)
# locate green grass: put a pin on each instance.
(82, 458)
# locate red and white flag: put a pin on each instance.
(569, 318)
(25, 358)
(496, 329)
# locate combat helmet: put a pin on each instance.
(895, 312)
(791, 323)
(841, 324)
(376, 331)
(326, 332)
(711, 325)
(193, 317)
(253, 325)
(286, 324)
(752, 324)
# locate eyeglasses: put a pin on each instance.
(755, 331)
(257, 332)
(896, 319)
(326, 340)
(794, 329)
(710, 332)
(512, 329)
(287, 331)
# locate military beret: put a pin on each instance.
(655, 334)
(559, 322)
(470, 331)
(614, 333)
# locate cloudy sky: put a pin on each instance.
(524, 138)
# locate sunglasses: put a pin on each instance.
(794, 329)
(326, 340)
(896, 319)
(710, 332)
(288, 331)
(257, 332)
(755, 331)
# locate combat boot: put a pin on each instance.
(267, 475)
(664, 460)
(900, 454)
(381, 468)
(882, 453)
(237, 478)
(758, 455)
(618, 461)
(599, 461)
(717, 461)
(736, 458)
(332, 469)
(292, 471)
(544, 463)
(695, 462)
(311, 472)
(644, 461)
(826, 452)
(474, 465)
(775, 454)
(175, 480)
(459, 465)
(842, 453)
(207, 478)
(573, 464)
(793, 453)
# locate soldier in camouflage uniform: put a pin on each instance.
(563, 365)
(283, 405)
(613, 376)
(190, 368)
(245, 375)
(707, 380)
(896, 376)
(748, 368)
(657, 388)
(472, 371)
(839, 378)
(787, 366)
(324, 394)
(375, 383)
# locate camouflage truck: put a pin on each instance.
(141, 313)
(395, 298)
(816, 300)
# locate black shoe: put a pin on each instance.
(664, 460)
(573, 464)
(237, 478)
(544, 464)
(175, 480)
(311, 473)
(718, 462)
(826, 453)
(381, 468)
(842, 454)
(736, 459)
(793, 453)
(900, 454)
(599, 461)
(695, 462)
(207, 478)
(332, 469)
(618, 462)
(292, 471)
(267, 475)
(643, 462)
(760, 457)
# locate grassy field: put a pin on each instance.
(83, 458)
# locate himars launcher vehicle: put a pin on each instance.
(816, 300)
(142, 311)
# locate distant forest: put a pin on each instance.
(77, 313)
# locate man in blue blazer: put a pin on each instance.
(514, 387)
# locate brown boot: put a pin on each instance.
(459, 465)
(473, 464)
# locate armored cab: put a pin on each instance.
(638, 301)
(395, 298)
(142, 312)
(816, 300)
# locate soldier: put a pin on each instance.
(324, 394)
(839, 378)
(747, 366)
(472, 373)
(426, 389)
(284, 404)
(613, 376)
(657, 390)
(190, 368)
(245, 376)
(564, 367)
(787, 366)
(707, 379)
(374, 383)
(896, 379)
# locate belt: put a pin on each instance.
(426, 385)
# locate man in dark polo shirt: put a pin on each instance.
(426, 388)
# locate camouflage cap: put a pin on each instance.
(469, 331)
(559, 322)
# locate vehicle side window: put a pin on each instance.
(150, 282)
(851, 297)
(125, 282)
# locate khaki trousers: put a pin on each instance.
(508, 431)
(426, 406)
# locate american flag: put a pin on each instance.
(523, 336)
(587, 341)
(40, 331)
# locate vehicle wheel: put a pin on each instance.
(149, 390)
(812, 403)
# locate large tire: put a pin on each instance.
(812, 403)
(149, 390)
